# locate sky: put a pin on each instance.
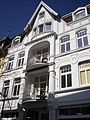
(15, 14)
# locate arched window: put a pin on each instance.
(82, 39)
(65, 43)
(84, 69)
(79, 14)
(66, 77)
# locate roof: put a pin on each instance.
(36, 11)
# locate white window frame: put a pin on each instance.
(16, 87)
(83, 68)
(21, 59)
(63, 73)
(64, 41)
(37, 90)
(10, 62)
(5, 90)
(82, 34)
(48, 23)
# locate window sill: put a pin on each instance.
(13, 69)
(73, 51)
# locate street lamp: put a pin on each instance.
(2, 105)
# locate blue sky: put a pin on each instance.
(15, 14)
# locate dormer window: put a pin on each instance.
(79, 13)
(41, 15)
(16, 41)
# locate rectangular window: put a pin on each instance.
(84, 69)
(41, 28)
(16, 88)
(66, 78)
(10, 63)
(21, 58)
(6, 88)
(41, 85)
(48, 26)
(65, 44)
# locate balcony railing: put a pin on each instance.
(39, 95)
(40, 58)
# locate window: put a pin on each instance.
(66, 78)
(41, 85)
(41, 15)
(65, 44)
(10, 63)
(6, 88)
(34, 31)
(84, 69)
(41, 28)
(42, 53)
(82, 38)
(21, 58)
(16, 87)
(48, 26)
(16, 41)
(79, 14)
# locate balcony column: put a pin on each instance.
(52, 65)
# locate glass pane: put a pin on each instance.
(85, 40)
(43, 78)
(40, 28)
(18, 89)
(88, 76)
(80, 42)
(82, 77)
(62, 48)
(48, 26)
(15, 88)
(63, 81)
(67, 46)
(69, 80)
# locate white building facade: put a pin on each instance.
(58, 70)
(12, 81)
(52, 67)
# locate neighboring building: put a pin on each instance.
(58, 66)
(47, 70)
(13, 79)
(4, 45)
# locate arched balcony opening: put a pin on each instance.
(38, 55)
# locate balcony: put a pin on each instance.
(36, 95)
(39, 60)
